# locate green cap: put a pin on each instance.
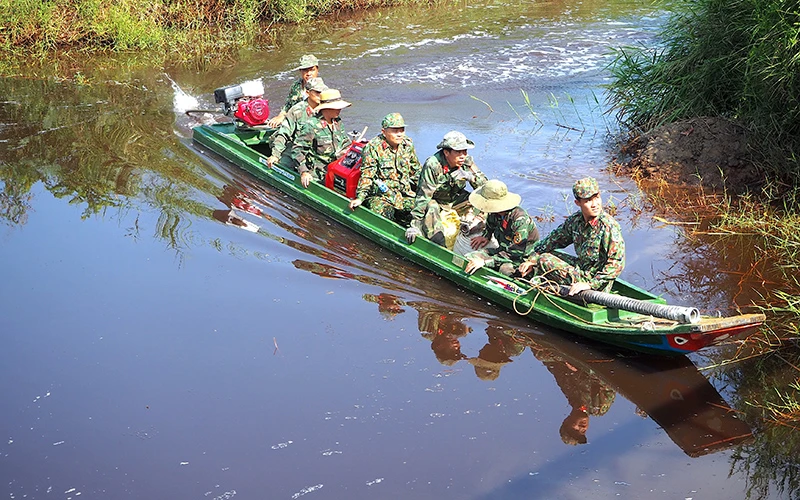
(456, 141)
(308, 61)
(393, 120)
(316, 84)
(585, 188)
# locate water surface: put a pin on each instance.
(172, 328)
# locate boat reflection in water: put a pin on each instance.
(669, 390)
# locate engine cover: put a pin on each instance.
(254, 111)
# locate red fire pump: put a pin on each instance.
(344, 173)
(245, 102)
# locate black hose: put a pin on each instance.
(675, 313)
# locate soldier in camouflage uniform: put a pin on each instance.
(443, 181)
(321, 139)
(512, 227)
(389, 172)
(297, 115)
(309, 68)
(598, 243)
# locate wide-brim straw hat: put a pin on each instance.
(494, 197)
(331, 99)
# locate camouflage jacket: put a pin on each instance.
(286, 132)
(318, 143)
(599, 247)
(437, 183)
(297, 93)
(514, 232)
(399, 170)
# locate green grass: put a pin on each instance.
(738, 59)
(182, 29)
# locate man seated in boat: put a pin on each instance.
(298, 114)
(443, 181)
(389, 172)
(598, 243)
(309, 68)
(510, 224)
(321, 138)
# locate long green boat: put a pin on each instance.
(634, 321)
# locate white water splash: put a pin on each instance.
(181, 101)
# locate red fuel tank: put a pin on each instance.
(343, 174)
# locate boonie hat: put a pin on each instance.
(331, 99)
(308, 61)
(585, 188)
(455, 140)
(494, 197)
(393, 120)
(316, 84)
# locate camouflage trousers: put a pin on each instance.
(386, 205)
(560, 270)
(432, 220)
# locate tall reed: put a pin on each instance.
(738, 59)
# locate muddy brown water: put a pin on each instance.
(172, 328)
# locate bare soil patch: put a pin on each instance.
(707, 153)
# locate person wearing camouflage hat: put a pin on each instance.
(321, 139)
(389, 172)
(508, 223)
(308, 68)
(598, 243)
(443, 181)
(298, 114)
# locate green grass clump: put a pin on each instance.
(179, 27)
(738, 59)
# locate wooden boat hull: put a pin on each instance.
(248, 150)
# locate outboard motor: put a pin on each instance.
(245, 102)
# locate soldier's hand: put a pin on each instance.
(474, 264)
(412, 233)
(355, 203)
(462, 173)
(478, 242)
(578, 288)
(305, 179)
(525, 267)
(271, 160)
(275, 121)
